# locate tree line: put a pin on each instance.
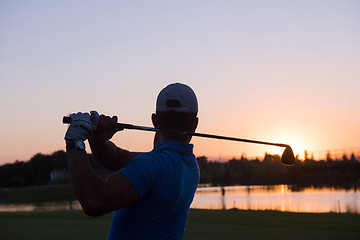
(37, 170)
(329, 172)
(242, 171)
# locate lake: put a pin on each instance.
(276, 197)
(279, 198)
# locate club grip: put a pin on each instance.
(66, 119)
(120, 126)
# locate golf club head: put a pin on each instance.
(287, 157)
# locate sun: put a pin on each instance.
(294, 140)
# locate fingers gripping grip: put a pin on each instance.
(120, 126)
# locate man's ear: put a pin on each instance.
(154, 120)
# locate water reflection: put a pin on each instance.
(40, 207)
(278, 197)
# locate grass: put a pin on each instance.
(203, 224)
(53, 225)
(237, 224)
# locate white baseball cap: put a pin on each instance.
(177, 97)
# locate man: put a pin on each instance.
(150, 192)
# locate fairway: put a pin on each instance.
(203, 224)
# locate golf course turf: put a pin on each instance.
(202, 224)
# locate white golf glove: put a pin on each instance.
(81, 127)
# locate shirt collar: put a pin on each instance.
(180, 147)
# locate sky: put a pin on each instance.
(278, 71)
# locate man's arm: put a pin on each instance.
(110, 156)
(96, 195)
(105, 151)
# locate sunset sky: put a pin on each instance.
(279, 71)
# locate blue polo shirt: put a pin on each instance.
(166, 179)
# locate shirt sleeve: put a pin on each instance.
(143, 172)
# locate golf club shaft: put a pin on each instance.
(129, 126)
(121, 126)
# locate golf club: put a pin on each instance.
(287, 157)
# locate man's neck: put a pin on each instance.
(160, 138)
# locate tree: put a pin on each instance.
(17, 181)
(40, 167)
(352, 158)
(306, 155)
(329, 157)
(202, 161)
(267, 158)
(59, 160)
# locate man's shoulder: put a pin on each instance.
(147, 158)
(154, 158)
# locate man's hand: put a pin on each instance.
(81, 126)
(104, 151)
(106, 128)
